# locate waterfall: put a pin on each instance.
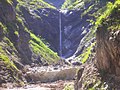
(60, 35)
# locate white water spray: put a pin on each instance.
(60, 35)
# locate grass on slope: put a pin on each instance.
(3, 56)
(33, 4)
(67, 3)
(3, 28)
(40, 48)
(74, 4)
(110, 17)
(86, 54)
(107, 11)
(6, 60)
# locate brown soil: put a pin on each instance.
(58, 85)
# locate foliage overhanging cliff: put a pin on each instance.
(103, 72)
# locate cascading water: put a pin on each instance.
(60, 35)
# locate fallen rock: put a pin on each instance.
(52, 75)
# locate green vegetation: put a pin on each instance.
(109, 20)
(8, 63)
(6, 60)
(6, 2)
(16, 33)
(10, 48)
(69, 87)
(98, 85)
(100, 15)
(110, 17)
(74, 4)
(7, 43)
(67, 3)
(3, 28)
(40, 48)
(108, 11)
(86, 54)
(33, 4)
(88, 10)
(10, 1)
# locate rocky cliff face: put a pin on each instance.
(72, 29)
(81, 23)
(18, 45)
(108, 51)
(103, 73)
(108, 40)
(45, 23)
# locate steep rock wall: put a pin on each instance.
(103, 72)
(76, 26)
(15, 45)
(108, 43)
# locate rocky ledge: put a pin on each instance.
(51, 73)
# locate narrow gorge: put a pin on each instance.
(59, 45)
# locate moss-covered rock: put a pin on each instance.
(103, 73)
(15, 37)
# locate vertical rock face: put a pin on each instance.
(17, 34)
(107, 55)
(108, 60)
(46, 24)
(108, 50)
(108, 43)
(75, 26)
(21, 41)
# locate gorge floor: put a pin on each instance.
(57, 85)
(47, 78)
